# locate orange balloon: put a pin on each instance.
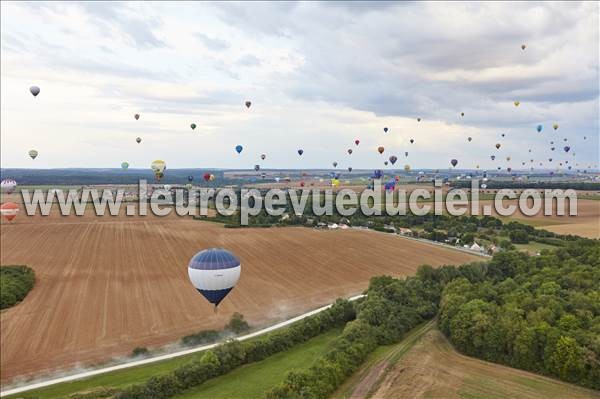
(9, 210)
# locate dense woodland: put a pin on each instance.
(536, 313)
(15, 283)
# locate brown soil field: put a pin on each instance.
(108, 284)
(433, 369)
(586, 223)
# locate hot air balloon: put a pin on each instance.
(454, 162)
(263, 175)
(8, 185)
(124, 165)
(552, 148)
(189, 186)
(193, 126)
(158, 168)
(539, 128)
(190, 178)
(555, 126)
(206, 176)
(418, 119)
(380, 149)
(517, 103)
(167, 187)
(138, 140)
(567, 148)
(498, 145)
(34, 90)
(493, 157)
(9, 210)
(349, 168)
(385, 163)
(407, 168)
(257, 167)
(301, 184)
(469, 139)
(412, 141)
(405, 153)
(350, 151)
(385, 129)
(33, 154)
(357, 142)
(335, 182)
(508, 169)
(377, 174)
(248, 104)
(462, 114)
(335, 164)
(136, 116)
(239, 148)
(523, 46)
(212, 177)
(263, 156)
(502, 134)
(508, 158)
(214, 272)
(393, 159)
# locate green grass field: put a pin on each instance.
(255, 377)
(253, 380)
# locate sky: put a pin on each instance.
(319, 76)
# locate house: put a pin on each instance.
(344, 221)
(476, 247)
(389, 227)
(405, 232)
(285, 216)
(333, 226)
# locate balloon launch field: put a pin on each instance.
(106, 285)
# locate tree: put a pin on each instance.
(237, 324)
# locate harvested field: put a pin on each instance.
(433, 369)
(586, 223)
(108, 284)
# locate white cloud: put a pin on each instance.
(319, 75)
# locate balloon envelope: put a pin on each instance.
(8, 185)
(239, 148)
(9, 210)
(124, 165)
(214, 272)
(33, 154)
(34, 90)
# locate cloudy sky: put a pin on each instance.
(319, 75)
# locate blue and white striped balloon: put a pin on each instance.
(214, 272)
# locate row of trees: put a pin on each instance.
(392, 308)
(233, 354)
(236, 325)
(536, 313)
(15, 283)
